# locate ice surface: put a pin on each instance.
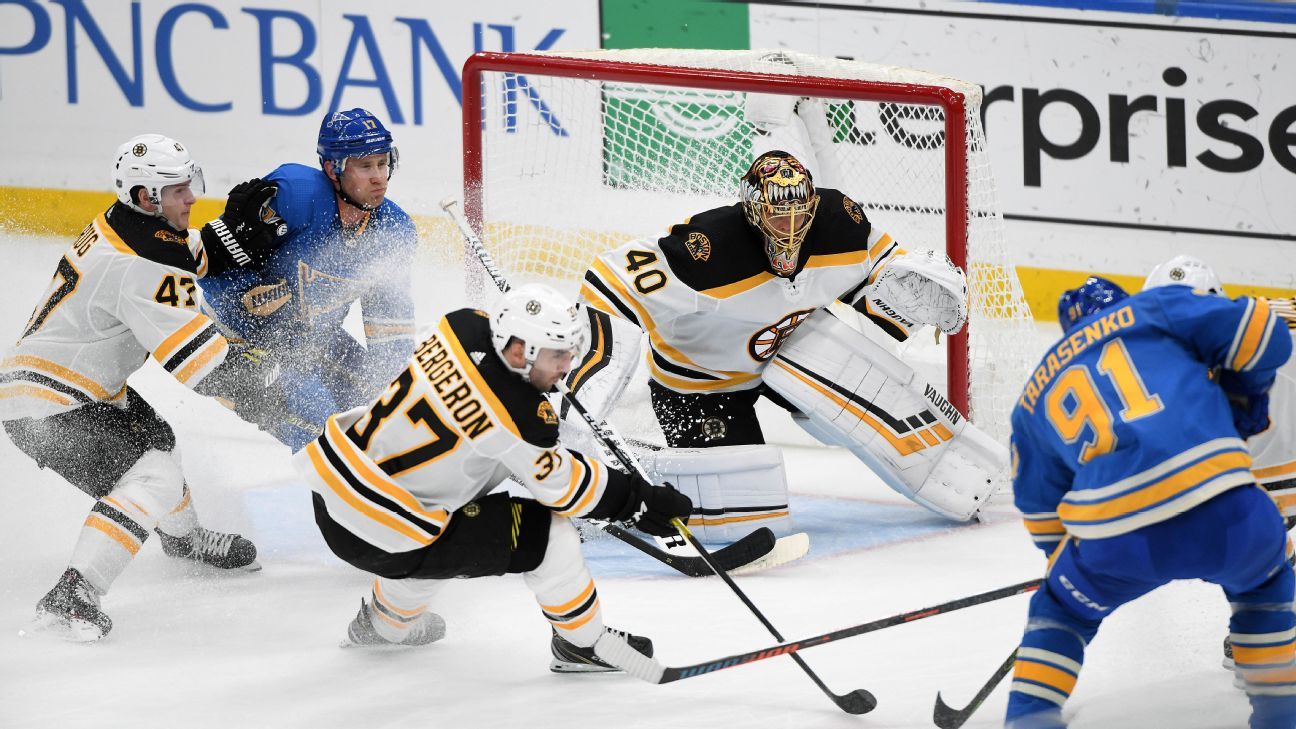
(227, 651)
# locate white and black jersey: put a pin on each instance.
(1273, 452)
(451, 427)
(126, 289)
(714, 313)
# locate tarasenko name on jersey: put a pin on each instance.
(1063, 352)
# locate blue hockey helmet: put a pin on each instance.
(1095, 294)
(354, 133)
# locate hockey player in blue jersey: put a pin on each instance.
(341, 241)
(1130, 467)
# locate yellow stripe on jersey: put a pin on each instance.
(388, 330)
(359, 505)
(33, 391)
(377, 480)
(849, 258)
(77, 379)
(209, 351)
(1044, 527)
(111, 236)
(1163, 497)
(738, 287)
(469, 370)
(660, 345)
(679, 383)
(1042, 673)
(1282, 469)
(600, 350)
(169, 345)
(578, 622)
(1252, 332)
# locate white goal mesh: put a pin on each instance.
(570, 154)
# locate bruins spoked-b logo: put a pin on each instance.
(699, 246)
(853, 209)
(767, 341)
(546, 413)
(140, 149)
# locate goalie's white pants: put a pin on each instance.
(735, 489)
(856, 394)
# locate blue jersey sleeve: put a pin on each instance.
(388, 308)
(1040, 479)
(297, 196)
(1237, 335)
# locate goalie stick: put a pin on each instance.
(744, 552)
(648, 669)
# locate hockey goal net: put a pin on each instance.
(567, 155)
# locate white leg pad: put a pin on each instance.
(735, 489)
(857, 394)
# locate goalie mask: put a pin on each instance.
(541, 318)
(779, 200)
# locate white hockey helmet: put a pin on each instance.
(539, 316)
(153, 161)
(1185, 271)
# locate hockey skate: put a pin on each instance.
(427, 628)
(70, 612)
(569, 658)
(218, 549)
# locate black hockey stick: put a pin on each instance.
(947, 718)
(859, 701)
(750, 548)
(648, 669)
(742, 552)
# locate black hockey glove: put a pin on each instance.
(246, 381)
(247, 232)
(656, 506)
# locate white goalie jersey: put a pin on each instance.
(126, 289)
(714, 314)
(451, 427)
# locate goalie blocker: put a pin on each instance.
(855, 394)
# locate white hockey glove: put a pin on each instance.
(769, 111)
(926, 287)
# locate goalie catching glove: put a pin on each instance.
(925, 287)
(246, 233)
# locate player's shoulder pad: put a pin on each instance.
(530, 410)
(840, 225)
(150, 238)
(713, 248)
(391, 220)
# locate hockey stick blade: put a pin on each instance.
(858, 701)
(668, 674)
(743, 552)
(786, 549)
(948, 718)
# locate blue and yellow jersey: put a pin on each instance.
(1122, 425)
(317, 272)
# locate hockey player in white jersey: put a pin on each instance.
(403, 486)
(124, 291)
(732, 301)
(1273, 451)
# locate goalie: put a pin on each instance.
(732, 301)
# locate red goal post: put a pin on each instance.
(523, 87)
